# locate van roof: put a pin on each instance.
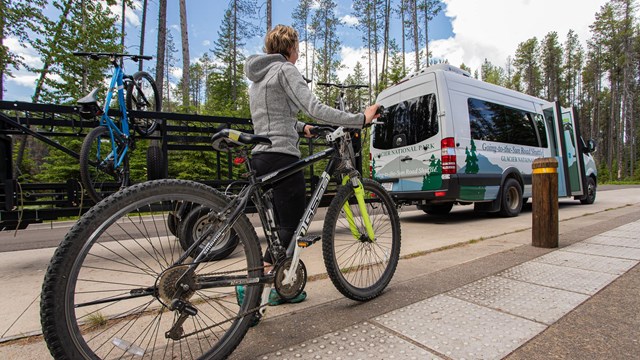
(455, 72)
(436, 67)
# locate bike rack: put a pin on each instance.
(22, 204)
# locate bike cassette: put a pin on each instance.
(299, 280)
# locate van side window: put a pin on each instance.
(407, 123)
(494, 122)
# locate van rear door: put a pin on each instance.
(406, 147)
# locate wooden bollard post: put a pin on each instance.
(545, 203)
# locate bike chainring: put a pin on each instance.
(294, 289)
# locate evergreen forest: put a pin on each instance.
(601, 80)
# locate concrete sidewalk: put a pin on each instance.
(461, 297)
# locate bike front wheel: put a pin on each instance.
(99, 171)
(119, 284)
(142, 95)
(361, 267)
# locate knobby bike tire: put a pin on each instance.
(101, 177)
(361, 269)
(155, 161)
(142, 95)
(122, 247)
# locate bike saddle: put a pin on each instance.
(90, 98)
(226, 139)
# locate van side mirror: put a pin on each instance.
(591, 146)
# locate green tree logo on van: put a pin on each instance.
(471, 160)
(433, 179)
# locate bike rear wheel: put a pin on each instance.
(359, 267)
(98, 171)
(142, 95)
(109, 287)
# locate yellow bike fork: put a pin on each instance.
(358, 189)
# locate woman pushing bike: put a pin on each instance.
(277, 94)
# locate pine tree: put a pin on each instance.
(527, 66)
(301, 22)
(329, 45)
(20, 19)
(551, 61)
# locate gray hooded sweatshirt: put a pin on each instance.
(276, 96)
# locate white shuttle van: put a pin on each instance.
(446, 138)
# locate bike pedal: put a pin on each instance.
(307, 241)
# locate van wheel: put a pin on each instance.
(436, 209)
(590, 197)
(511, 200)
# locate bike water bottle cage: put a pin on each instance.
(227, 139)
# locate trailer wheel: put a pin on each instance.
(511, 199)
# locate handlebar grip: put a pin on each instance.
(380, 109)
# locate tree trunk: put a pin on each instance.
(402, 12)
(268, 15)
(3, 11)
(185, 53)
(385, 52)
(162, 46)
(142, 32)
(416, 42)
(375, 41)
(124, 20)
(234, 50)
(48, 60)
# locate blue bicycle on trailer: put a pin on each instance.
(104, 156)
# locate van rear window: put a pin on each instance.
(406, 123)
(499, 123)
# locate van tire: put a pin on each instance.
(437, 209)
(511, 199)
(590, 197)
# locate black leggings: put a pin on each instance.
(288, 194)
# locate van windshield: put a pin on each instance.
(406, 123)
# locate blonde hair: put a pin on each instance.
(280, 40)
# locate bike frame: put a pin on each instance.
(255, 190)
(118, 153)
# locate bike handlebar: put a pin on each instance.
(98, 55)
(343, 86)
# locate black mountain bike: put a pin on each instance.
(121, 285)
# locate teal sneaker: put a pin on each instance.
(256, 316)
(275, 299)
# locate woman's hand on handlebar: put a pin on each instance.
(307, 131)
(371, 113)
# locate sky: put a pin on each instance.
(466, 31)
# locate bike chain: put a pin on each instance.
(246, 313)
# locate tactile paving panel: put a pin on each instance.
(603, 264)
(604, 250)
(631, 230)
(560, 277)
(362, 341)
(460, 329)
(534, 302)
(613, 240)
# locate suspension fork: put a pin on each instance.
(358, 189)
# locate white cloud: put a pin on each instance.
(349, 20)
(130, 14)
(206, 43)
(492, 29)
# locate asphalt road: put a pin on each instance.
(38, 236)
